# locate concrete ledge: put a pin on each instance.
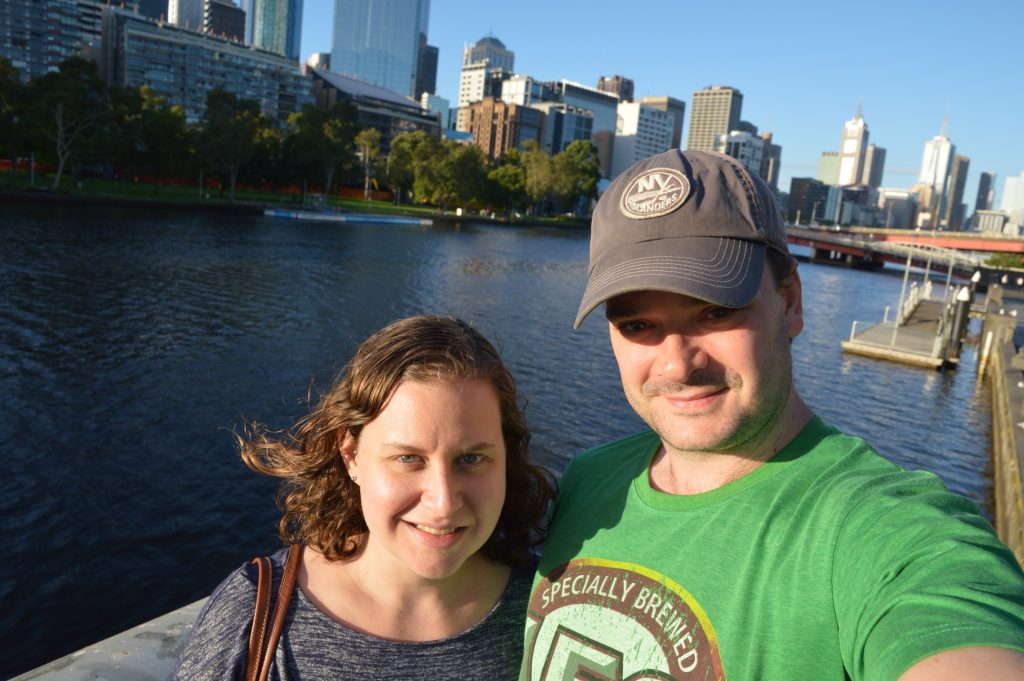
(878, 352)
(147, 652)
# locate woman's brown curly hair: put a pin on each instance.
(319, 500)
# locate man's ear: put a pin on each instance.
(793, 297)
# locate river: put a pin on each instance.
(132, 344)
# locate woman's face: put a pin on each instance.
(431, 475)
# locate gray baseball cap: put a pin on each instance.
(690, 222)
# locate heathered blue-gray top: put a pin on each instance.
(314, 646)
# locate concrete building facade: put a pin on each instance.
(641, 131)
(673, 106)
(563, 125)
(874, 166)
(828, 167)
(746, 148)
(497, 126)
(852, 146)
(183, 66)
(617, 85)
(1012, 200)
(484, 62)
(715, 111)
(225, 19)
(37, 36)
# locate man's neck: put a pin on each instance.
(684, 472)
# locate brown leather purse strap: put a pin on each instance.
(258, 662)
(260, 615)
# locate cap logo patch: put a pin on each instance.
(655, 192)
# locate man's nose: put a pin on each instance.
(679, 355)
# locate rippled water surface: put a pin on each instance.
(132, 343)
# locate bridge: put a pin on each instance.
(869, 248)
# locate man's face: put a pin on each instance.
(707, 378)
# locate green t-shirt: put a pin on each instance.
(827, 562)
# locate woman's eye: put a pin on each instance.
(471, 459)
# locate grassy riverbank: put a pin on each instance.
(17, 187)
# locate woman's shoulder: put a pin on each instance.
(216, 646)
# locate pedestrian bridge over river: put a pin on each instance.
(869, 247)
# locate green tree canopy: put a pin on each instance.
(368, 143)
(229, 131)
(65, 107)
(322, 141)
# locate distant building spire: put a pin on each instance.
(860, 108)
(945, 122)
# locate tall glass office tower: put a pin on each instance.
(378, 41)
(274, 25)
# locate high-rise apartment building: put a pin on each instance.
(986, 192)
(186, 13)
(481, 62)
(497, 126)
(37, 36)
(852, 146)
(673, 106)
(154, 9)
(641, 131)
(828, 167)
(874, 166)
(617, 85)
(183, 66)
(563, 125)
(771, 161)
(378, 41)
(743, 146)
(953, 216)
(224, 18)
(715, 111)
(1012, 200)
(936, 166)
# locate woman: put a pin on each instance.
(410, 489)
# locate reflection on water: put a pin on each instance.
(131, 344)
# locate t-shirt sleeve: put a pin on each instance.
(217, 646)
(917, 570)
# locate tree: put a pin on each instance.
(402, 160)
(576, 174)
(321, 140)
(65, 106)
(509, 180)
(228, 138)
(163, 137)
(368, 143)
(539, 175)
(12, 99)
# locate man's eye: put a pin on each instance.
(720, 312)
(632, 326)
(408, 458)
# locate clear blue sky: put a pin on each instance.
(801, 66)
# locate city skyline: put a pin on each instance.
(802, 69)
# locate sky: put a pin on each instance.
(802, 66)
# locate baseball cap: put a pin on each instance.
(690, 222)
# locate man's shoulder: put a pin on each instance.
(622, 453)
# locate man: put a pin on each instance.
(742, 537)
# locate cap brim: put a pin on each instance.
(720, 270)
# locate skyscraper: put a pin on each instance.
(953, 216)
(37, 36)
(1012, 200)
(933, 181)
(716, 111)
(852, 146)
(620, 86)
(874, 166)
(986, 192)
(378, 41)
(224, 18)
(186, 13)
(274, 25)
(674, 107)
(480, 61)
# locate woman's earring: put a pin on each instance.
(355, 478)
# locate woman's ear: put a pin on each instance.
(348, 455)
